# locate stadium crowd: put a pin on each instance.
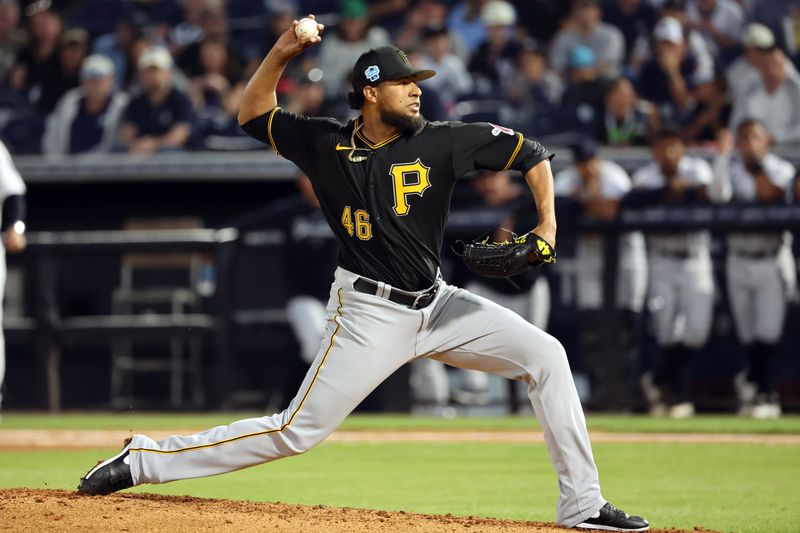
(146, 76)
(153, 75)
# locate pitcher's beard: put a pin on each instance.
(405, 124)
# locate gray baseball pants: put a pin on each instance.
(367, 339)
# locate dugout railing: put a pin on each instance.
(68, 199)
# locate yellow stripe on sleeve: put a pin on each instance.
(269, 130)
(514, 154)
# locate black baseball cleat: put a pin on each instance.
(108, 476)
(609, 518)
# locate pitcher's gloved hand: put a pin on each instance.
(508, 258)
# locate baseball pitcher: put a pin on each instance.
(384, 182)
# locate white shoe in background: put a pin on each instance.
(682, 410)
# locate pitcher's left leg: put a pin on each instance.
(468, 331)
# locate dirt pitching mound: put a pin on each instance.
(58, 510)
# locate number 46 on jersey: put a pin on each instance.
(357, 223)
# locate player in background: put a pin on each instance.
(681, 283)
(12, 200)
(757, 284)
(528, 295)
(593, 187)
(384, 181)
(308, 260)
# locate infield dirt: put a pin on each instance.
(58, 510)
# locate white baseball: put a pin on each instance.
(306, 29)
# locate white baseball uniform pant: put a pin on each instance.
(681, 299)
(631, 278)
(2, 336)
(306, 316)
(367, 338)
(757, 294)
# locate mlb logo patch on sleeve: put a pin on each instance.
(497, 129)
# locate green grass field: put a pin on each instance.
(726, 487)
(612, 423)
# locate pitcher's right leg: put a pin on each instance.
(367, 339)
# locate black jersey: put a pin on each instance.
(388, 202)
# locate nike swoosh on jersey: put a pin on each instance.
(339, 147)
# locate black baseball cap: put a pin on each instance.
(584, 150)
(383, 64)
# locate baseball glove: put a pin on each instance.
(508, 258)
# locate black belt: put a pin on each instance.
(755, 255)
(675, 254)
(417, 300)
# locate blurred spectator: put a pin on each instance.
(215, 28)
(452, 78)
(494, 59)
(424, 14)
(466, 23)
(681, 283)
(774, 98)
(584, 27)
(710, 112)
(627, 120)
(389, 14)
(55, 83)
(12, 38)
(696, 46)
(190, 29)
(160, 118)
(162, 14)
(248, 20)
(216, 91)
(281, 14)
(86, 119)
(757, 288)
(534, 87)
(720, 23)
(584, 85)
(307, 98)
(541, 19)
(593, 187)
(40, 56)
(339, 50)
(634, 18)
(666, 80)
(777, 16)
(119, 46)
(215, 86)
(743, 72)
(12, 238)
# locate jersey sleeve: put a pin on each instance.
(617, 184)
(298, 138)
(642, 178)
(703, 174)
(781, 172)
(487, 146)
(565, 182)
